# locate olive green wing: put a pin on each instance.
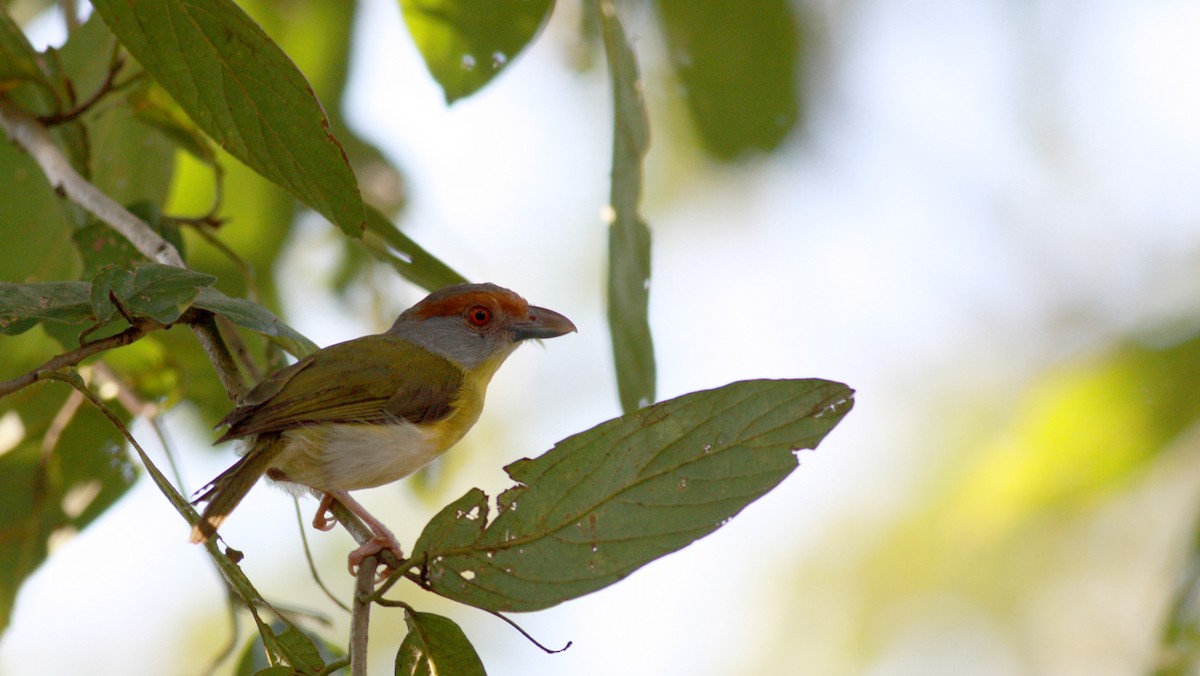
(375, 379)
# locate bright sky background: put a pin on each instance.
(983, 188)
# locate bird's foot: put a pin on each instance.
(324, 518)
(381, 542)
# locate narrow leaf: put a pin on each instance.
(466, 43)
(628, 235)
(255, 317)
(436, 645)
(244, 92)
(607, 501)
(385, 241)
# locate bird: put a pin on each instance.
(372, 410)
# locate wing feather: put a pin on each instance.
(365, 380)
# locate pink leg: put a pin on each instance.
(323, 520)
(383, 540)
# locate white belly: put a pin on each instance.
(353, 456)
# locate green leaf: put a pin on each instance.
(628, 235)
(607, 501)
(386, 242)
(436, 645)
(305, 653)
(32, 214)
(739, 69)
(23, 306)
(255, 317)
(161, 292)
(466, 43)
(244, 92)
(153, 106)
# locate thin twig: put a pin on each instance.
(31, 136)
(104, 89)
(234, 631)
(360, 617)
(312, 566)
(72, 358)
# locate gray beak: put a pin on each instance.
(542, 323)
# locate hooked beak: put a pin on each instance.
(542, 323)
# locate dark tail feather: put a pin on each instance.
(227, 490)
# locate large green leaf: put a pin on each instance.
(241, 89)
(436, 645)
(607, 501)
(466, 43)
(628, 235)
(739, 68)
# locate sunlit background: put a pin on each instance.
(988, 225)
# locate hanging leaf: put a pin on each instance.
(387, 243)
(436, 645)
(628, 235)
(466, 43)
(739, 70)
(607, 501)
(244, 92)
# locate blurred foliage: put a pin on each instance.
(1037, 497)
(740, 70)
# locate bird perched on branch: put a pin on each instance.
(375, 409)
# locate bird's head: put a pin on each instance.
(477, 325)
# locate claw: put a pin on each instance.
(324, 518)
(377, 544)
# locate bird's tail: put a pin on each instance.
(227, 490)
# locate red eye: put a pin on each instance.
(479, 316)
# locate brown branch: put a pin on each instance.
(72, 358)
(31, 136)
(360, 617)
(205, 327)
(105, 87)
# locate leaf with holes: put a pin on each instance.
(607, 501)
